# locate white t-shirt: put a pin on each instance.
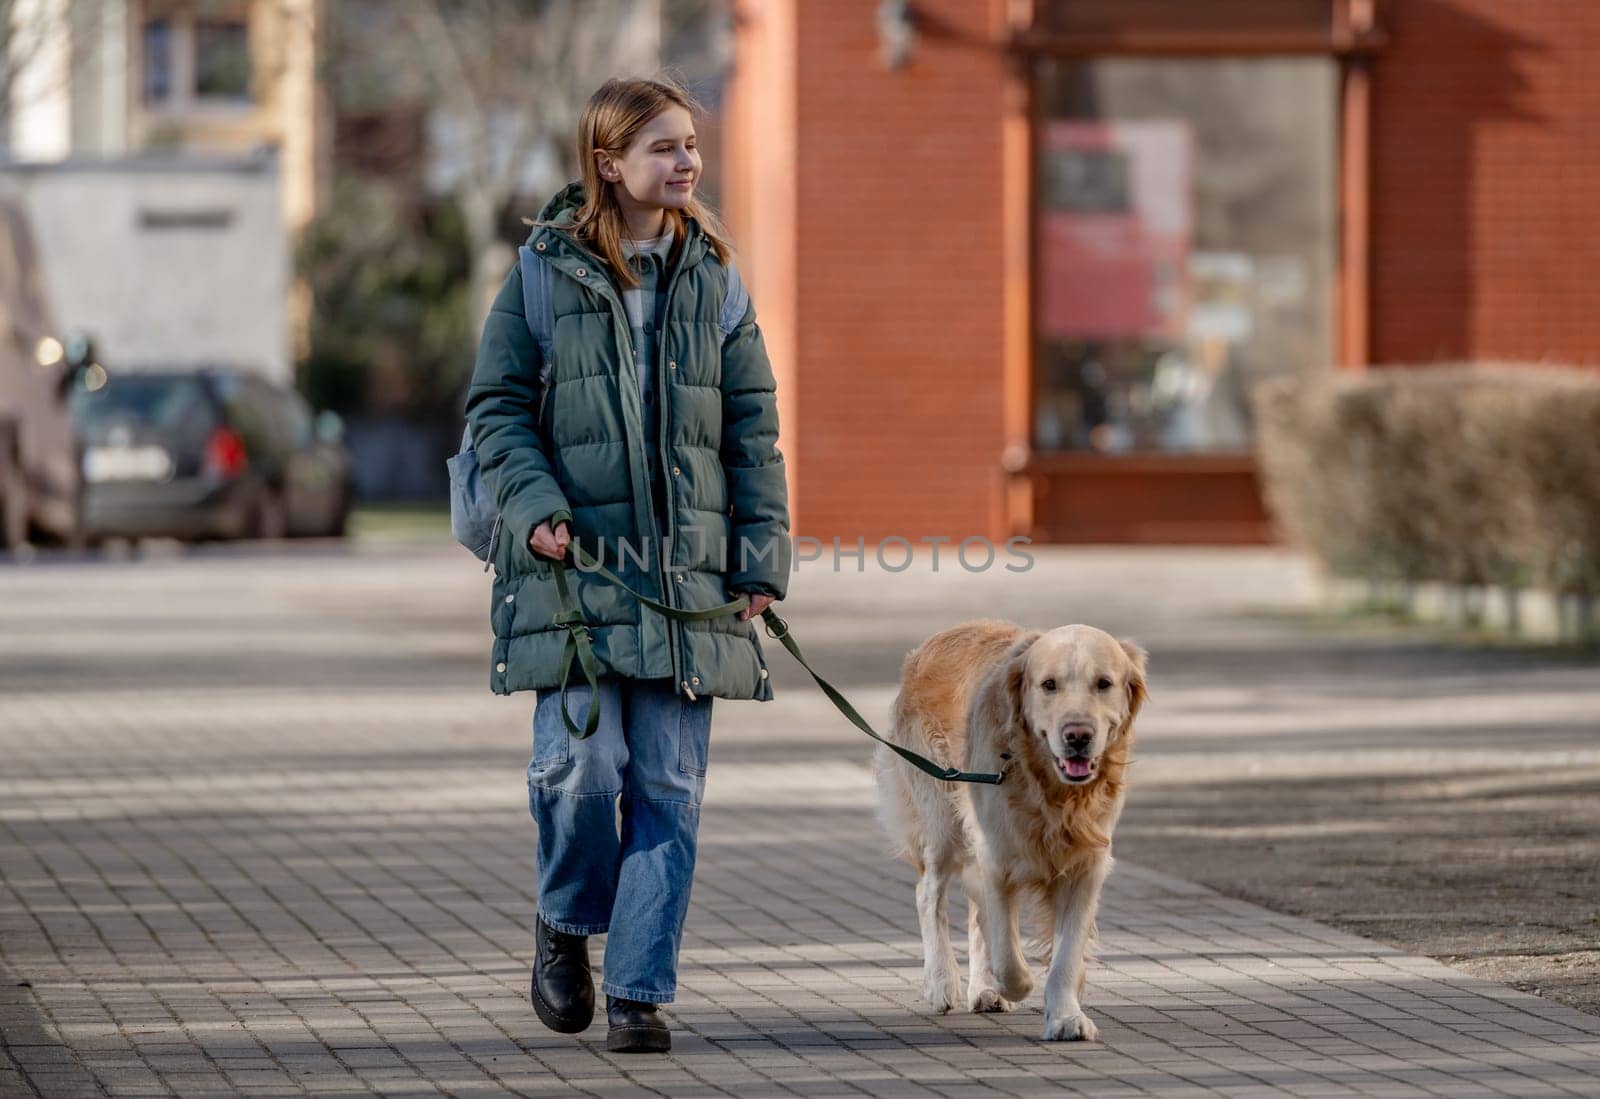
(638, 302)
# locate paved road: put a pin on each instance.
(263, 831)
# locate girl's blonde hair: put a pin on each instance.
(610, 121)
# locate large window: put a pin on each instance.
(1185, 242)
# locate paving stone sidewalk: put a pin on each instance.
(263, 832)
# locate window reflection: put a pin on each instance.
(1185, 238)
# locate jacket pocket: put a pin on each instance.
(694, 735)
(755, 639)
(525, 561)
(552, 744)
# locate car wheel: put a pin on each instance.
(341, 518)
(76, 537)
(13, 506)
(272, 519)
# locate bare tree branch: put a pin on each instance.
(513, 75)
(28, 32)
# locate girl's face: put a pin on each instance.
(662, 165)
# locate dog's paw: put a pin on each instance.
(942, 991)
(1014, 986)
(1069, 1028)
(986, 1000)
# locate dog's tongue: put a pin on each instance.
(1078, 768)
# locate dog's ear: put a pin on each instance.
(1015, 663)
(1137, 691)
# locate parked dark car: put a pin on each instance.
(203, 454)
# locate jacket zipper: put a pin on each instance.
(617, 311)
(619, 317)
(650, 512)
(674, 636)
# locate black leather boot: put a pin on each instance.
(563, 989)
(636, 1027)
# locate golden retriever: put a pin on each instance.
(1055, 709)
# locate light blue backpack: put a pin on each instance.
(474, 516)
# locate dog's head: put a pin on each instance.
(1074, 692)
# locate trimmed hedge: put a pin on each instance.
(1470, 475)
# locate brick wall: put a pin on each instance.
(1486, 181)
(868, 202)
(899, 330)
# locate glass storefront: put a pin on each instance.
(1185, 242)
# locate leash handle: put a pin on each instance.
(578, 644)
(586, 563)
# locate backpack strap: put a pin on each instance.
(735, 300)
(539, 308)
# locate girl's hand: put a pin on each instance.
(550, 543)
(758, 603)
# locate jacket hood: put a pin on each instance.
(564, 204)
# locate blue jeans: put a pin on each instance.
(650, 750)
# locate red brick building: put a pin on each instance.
(1019, 262)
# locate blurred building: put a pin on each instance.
(165, 152)
(1020, 262)
(203, 78)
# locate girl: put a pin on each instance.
(653, 445)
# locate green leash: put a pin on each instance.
(579, 645)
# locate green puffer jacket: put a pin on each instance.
(586, 462)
